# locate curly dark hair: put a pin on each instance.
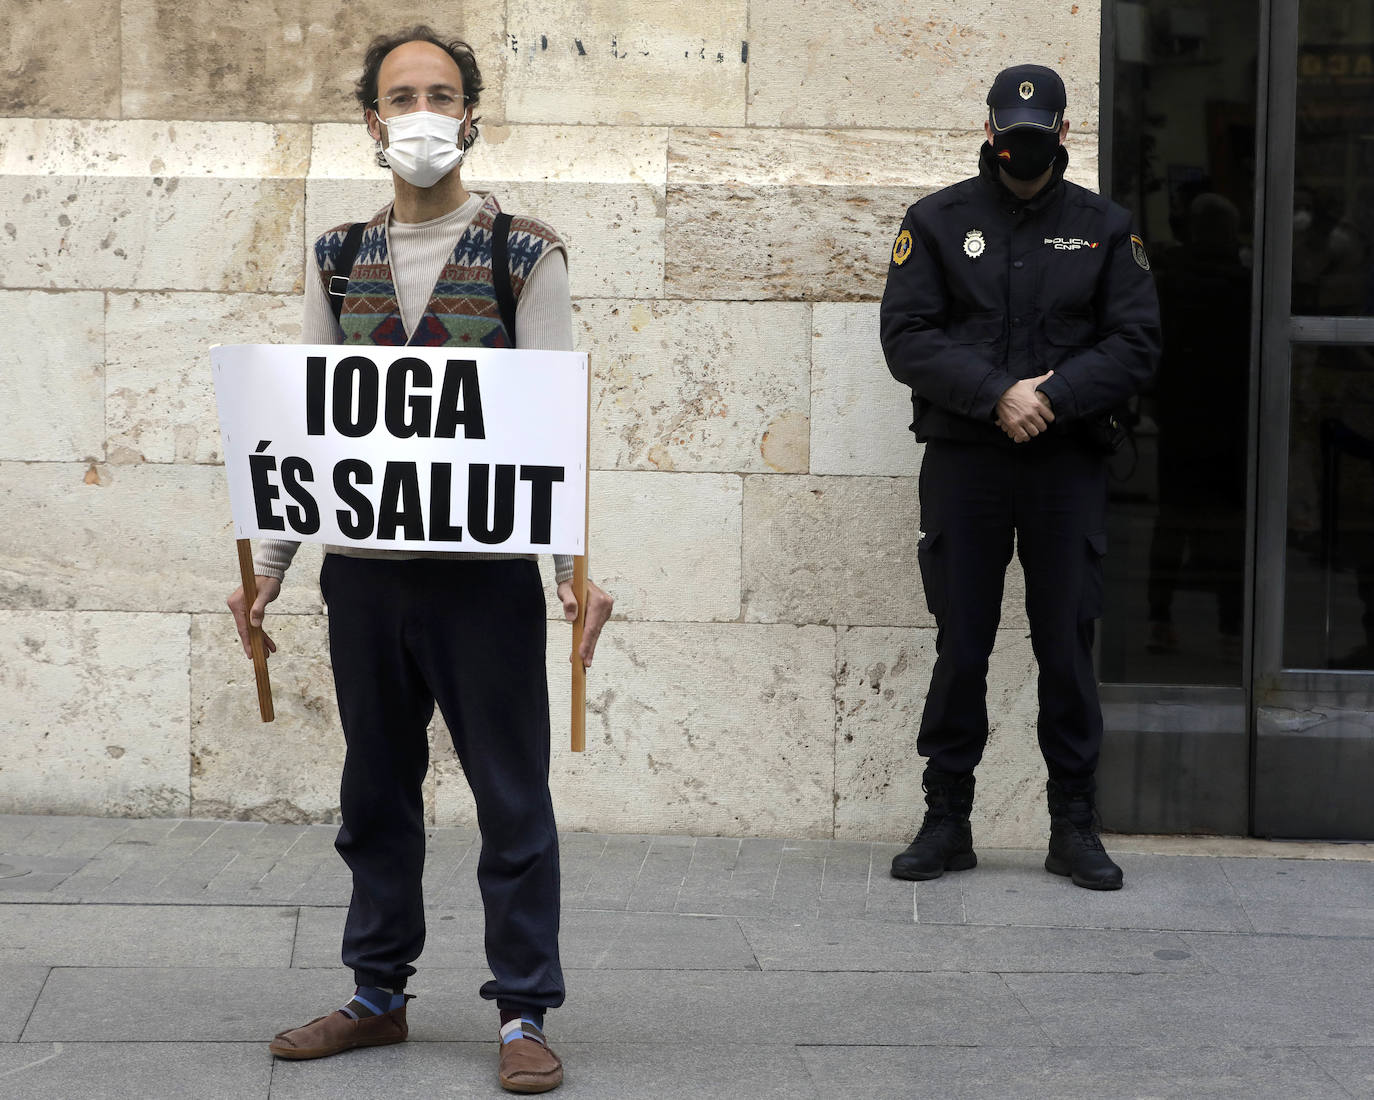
(366, 87)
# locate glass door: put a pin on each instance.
(1313, 688)
(1182, 123)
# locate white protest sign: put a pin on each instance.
(454, 449)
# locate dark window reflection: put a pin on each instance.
(1329, 574)
(1183, 160)
(1333, 199)
(1329, 598)
(1200, 412)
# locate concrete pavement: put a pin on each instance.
(154, 958)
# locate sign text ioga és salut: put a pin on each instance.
(414, 448)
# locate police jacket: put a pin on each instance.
(985, 289)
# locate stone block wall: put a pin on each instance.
(729, 177)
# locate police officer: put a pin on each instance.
(1020, 310)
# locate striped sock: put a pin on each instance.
(371, 1000)
(524, 1024)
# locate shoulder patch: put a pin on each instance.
(1138, 251)
(901, 249)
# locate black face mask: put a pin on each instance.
(1025, 152)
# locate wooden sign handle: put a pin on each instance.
(579, 670)
(255, 642)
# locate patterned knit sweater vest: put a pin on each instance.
(462, 310)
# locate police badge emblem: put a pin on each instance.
(974, 243)
(1026, 90)
(1138, 251)
(902, 248)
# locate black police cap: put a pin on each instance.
(1026, 95)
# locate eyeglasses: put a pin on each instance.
(444, 101)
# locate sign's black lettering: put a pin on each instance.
(400, 376)
(460, 402)
(441, 504)
(491, 521)
(355, 520)
(399, 506)
(409, 408)
(355, 396)
(304, 515)
(260, 466)
(541, 479)
(314, 395)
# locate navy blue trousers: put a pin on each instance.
(1048, 499)
(469, 634)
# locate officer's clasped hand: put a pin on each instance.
(1023, 412)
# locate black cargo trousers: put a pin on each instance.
(471, 635)
(1048, 498)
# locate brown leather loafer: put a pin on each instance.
(338, 1032)
(527, 1065)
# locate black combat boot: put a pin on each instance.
(1075, 850)
(945, 842)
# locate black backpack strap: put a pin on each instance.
(343, 266)
(500, 274)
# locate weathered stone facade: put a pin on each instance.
(728, 176)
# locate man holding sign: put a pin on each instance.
(437, 267)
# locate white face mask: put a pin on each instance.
(422, 147)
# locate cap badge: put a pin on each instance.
(902, 248)
(1027, 89)
(974, 245)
